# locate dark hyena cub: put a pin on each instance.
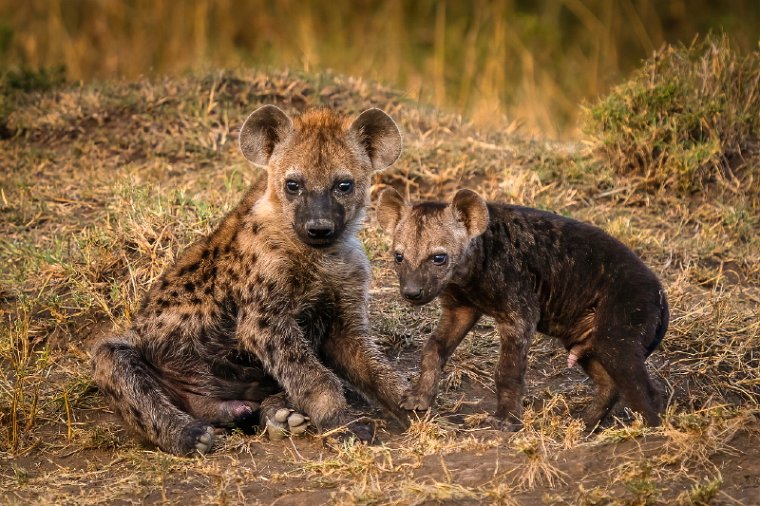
(530, 270)
(268, 311)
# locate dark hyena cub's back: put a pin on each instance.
(269, 311)
(530, 270)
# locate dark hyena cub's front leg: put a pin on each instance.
(510, 373)
(455, 323)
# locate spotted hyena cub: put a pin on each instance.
(267, 313)
(531, 271)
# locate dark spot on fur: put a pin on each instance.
(264, 322)
(143, 386)
(255, 227)
(186, 269)
(115, 348)
(136, 416)
(189, 286)
(174, 294)
(135, 412)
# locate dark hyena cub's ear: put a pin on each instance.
(471, 210)
(379, 136)
(389, 209)
(262, 131)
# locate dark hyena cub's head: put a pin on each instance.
(319, 166)
(430, 239)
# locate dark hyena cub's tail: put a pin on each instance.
(148, 407)
(663, 327)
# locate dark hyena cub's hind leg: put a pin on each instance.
(623, 358)
(146, 405)
(606, 394)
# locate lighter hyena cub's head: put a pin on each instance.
(319, 166)
(430, 239)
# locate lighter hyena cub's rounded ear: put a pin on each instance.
(380, 137)
(471, 210)
(389, 208)
(262, 131)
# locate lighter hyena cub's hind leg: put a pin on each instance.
(273, 415)
(222, 413)
(146, 405)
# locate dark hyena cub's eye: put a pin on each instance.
(440, 258)
(399, 258)
(344, 186)
(292, 186)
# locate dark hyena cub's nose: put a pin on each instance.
(412, 293)
(320, 228)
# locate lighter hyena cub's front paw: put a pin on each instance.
(412, 400)
(285, 422)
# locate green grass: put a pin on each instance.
(689, 117)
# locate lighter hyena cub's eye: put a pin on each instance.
(399, 258)
(344, 187)
(292, 186)
(440, 258)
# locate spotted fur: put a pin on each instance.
(264, 313)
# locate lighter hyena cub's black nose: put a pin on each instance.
(320, 229)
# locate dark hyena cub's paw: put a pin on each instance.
(197, 437)
(285, 422)
(508, 425)
(412, 400)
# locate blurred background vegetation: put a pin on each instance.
(532, 62)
